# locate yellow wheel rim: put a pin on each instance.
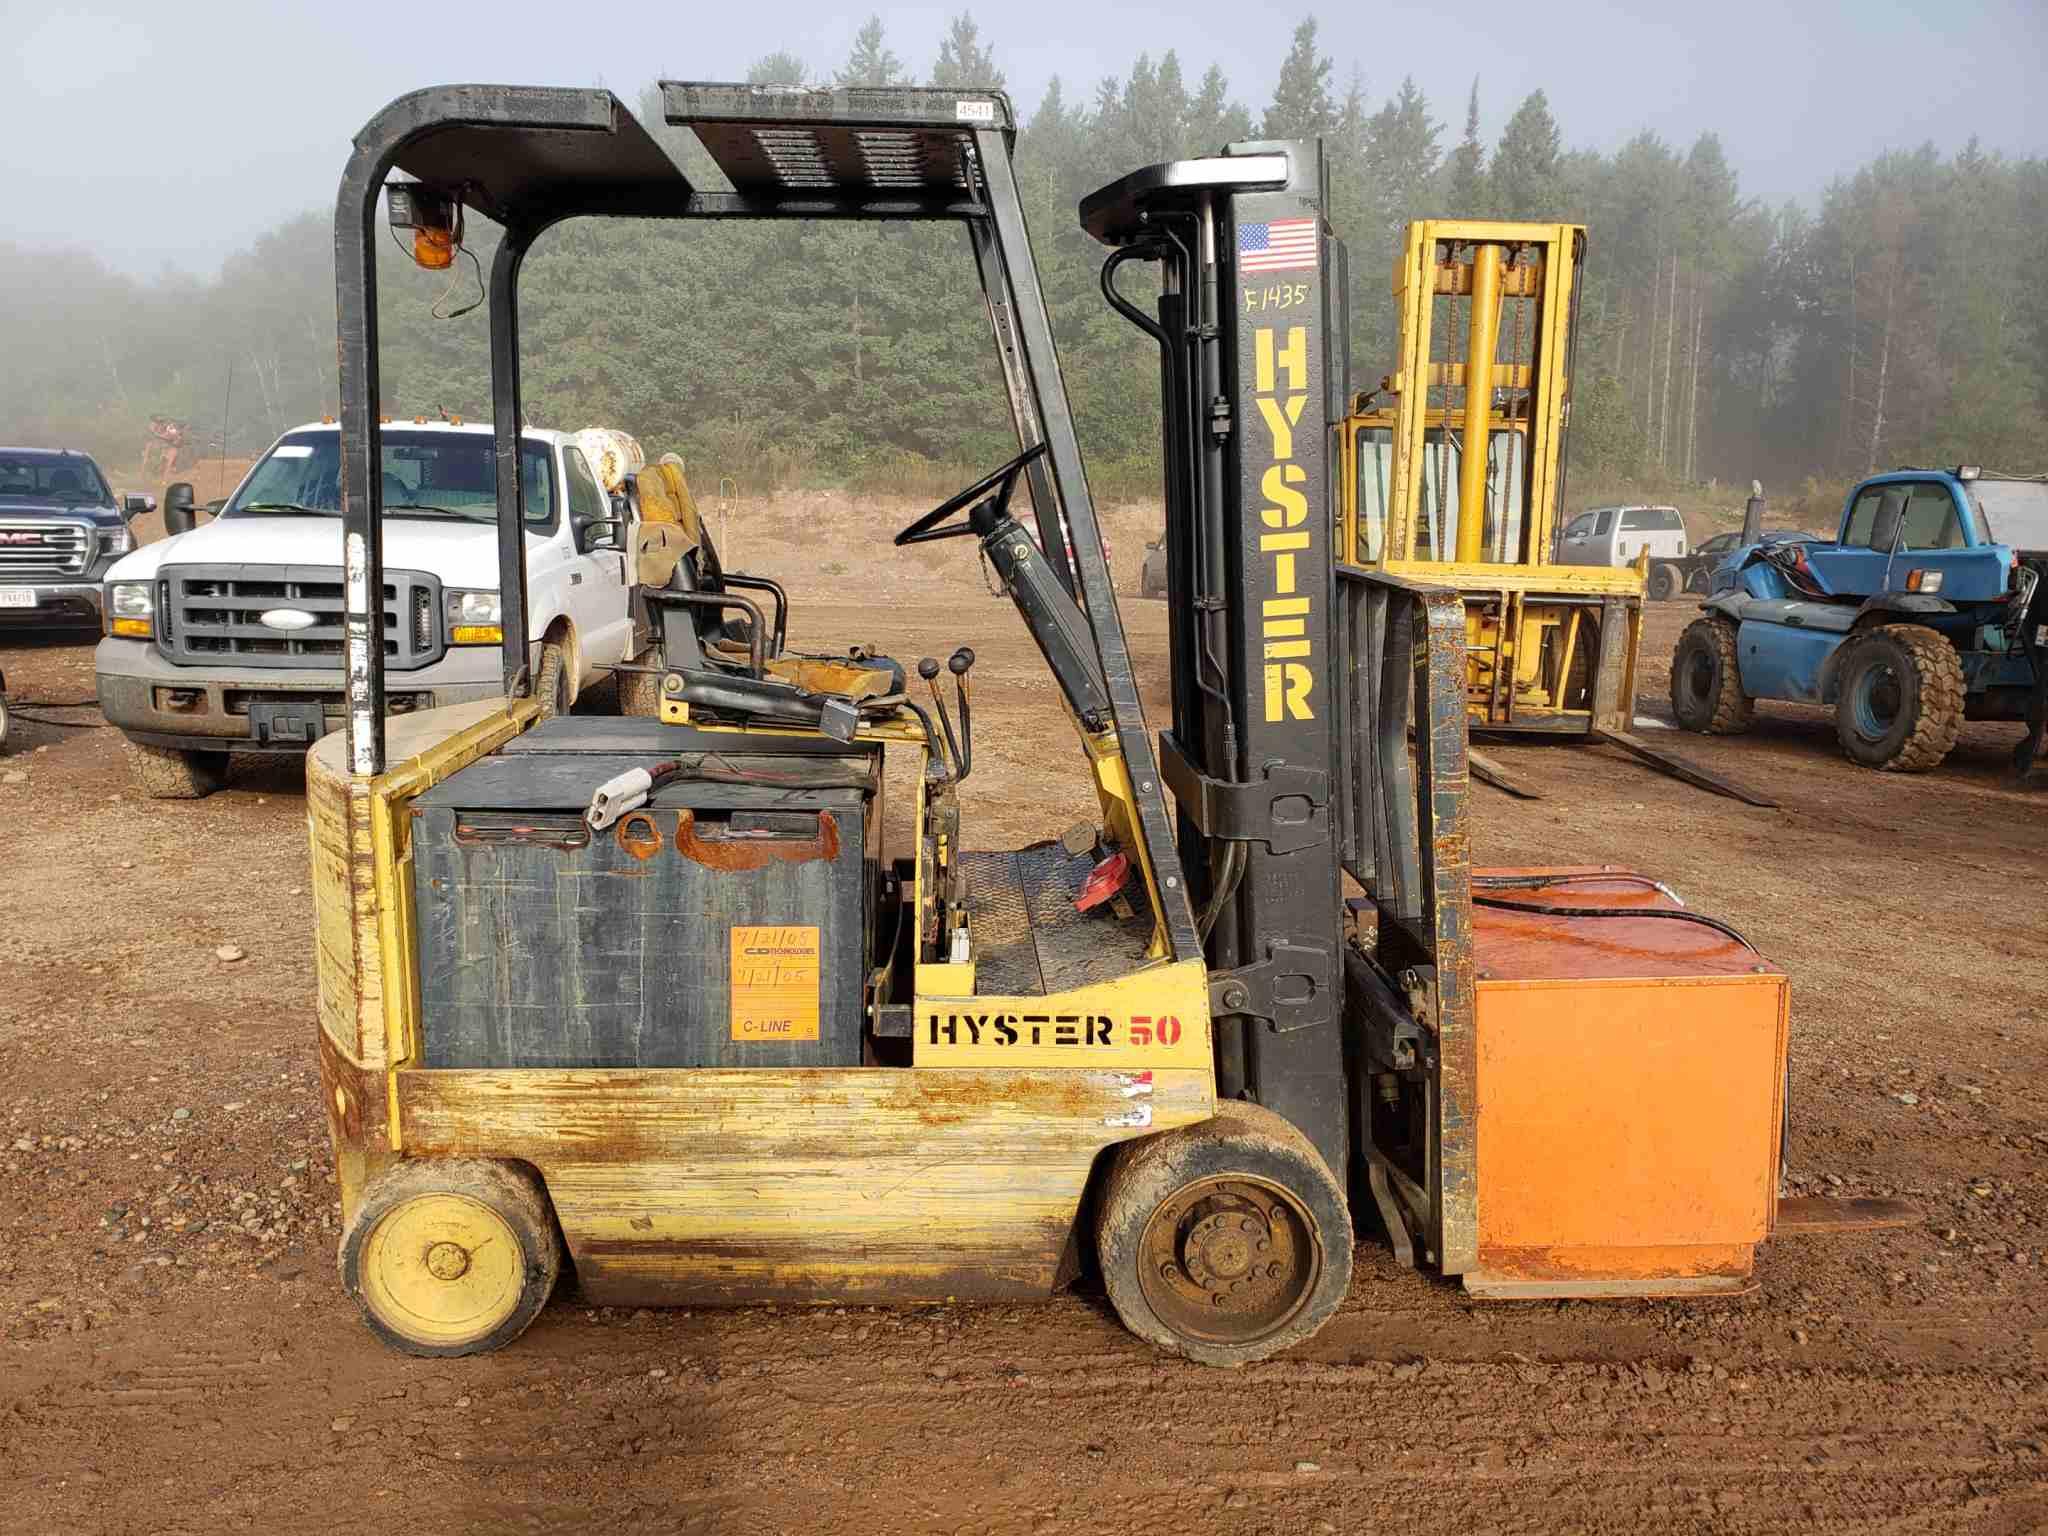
(442, 1269)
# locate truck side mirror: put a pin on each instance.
(134, 505)
(178, 514)
(596, 532)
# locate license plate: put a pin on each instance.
(17, 597)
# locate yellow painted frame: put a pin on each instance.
(961, 1175)
(1512, 607)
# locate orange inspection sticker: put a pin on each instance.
(774, 983)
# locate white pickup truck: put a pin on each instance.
(228, 638)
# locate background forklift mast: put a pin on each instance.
(1453, 472)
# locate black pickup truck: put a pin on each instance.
(61, 526)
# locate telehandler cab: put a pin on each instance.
(648, 995)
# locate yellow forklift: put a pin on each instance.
(647, 998)
(1486, 327)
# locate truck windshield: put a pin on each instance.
(426, 474)
(67, 477)
(2014, 512)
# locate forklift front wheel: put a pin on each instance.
(1225, 1241)
(451, 1256)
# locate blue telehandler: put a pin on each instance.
(1929, 608)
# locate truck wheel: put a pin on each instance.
(551, 681)
(451, 1256)
(1898, 698)
(1225, 1241)
(172, 773)
(1666, 582)
(1706, 680)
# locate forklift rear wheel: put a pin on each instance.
(1225, 1241)
(1898, 698)
(451, 1256)
(1706, 680)
(172, 773)
(1666, 582)
(551, 681)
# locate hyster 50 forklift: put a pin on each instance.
(648, 995)
(1487, 316)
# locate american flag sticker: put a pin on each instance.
(1285, 245)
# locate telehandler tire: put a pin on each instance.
(1706, 680)
(1666, 582)
(1898, 698)
(1225, 1241)
(451, 1256)
(172, 773)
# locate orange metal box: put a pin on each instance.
(1630, 1077)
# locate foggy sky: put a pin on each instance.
(165, 134)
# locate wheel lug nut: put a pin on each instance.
(1264, 1246)
(1272, 1271)
(1217, 1299)
(1247, 1224)
(1168, 1272)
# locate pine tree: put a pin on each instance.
(1301, 107)
(870, 62)
(1524, 177)
(1467, 190)
(963, 63)
(779, 68)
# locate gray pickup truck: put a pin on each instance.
(61, 527)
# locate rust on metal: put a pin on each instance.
(734, 853)
(639, 836)
(1817, 1215)
(1230, 1259)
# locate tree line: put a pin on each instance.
(1719, 338)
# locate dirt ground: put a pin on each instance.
(176, 1353)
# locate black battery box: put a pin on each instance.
(725, 924)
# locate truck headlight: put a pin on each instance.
(116, 541)
(131, 609)
(473, 618)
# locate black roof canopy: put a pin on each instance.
(534, 154)
(859, 151)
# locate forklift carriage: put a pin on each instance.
(649, 994)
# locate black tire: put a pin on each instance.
(424, 1286)
(1666, 582)
(1706, 680)
(640, 693)
(1246, 1167)
(1898, 698)
(172, 773)
(551, 681)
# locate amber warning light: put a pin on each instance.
(433, 219)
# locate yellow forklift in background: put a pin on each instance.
(1486, 314)
(647, 1001)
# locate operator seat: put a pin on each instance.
(673, 553)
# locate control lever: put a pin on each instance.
(928, 669)
(961, 660)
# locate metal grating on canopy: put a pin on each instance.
(776, 143)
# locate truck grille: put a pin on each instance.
(214, 614)
(36, 549)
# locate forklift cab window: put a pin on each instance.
(1375, 456)
(1442, 454)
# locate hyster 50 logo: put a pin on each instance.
(1282, 374)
